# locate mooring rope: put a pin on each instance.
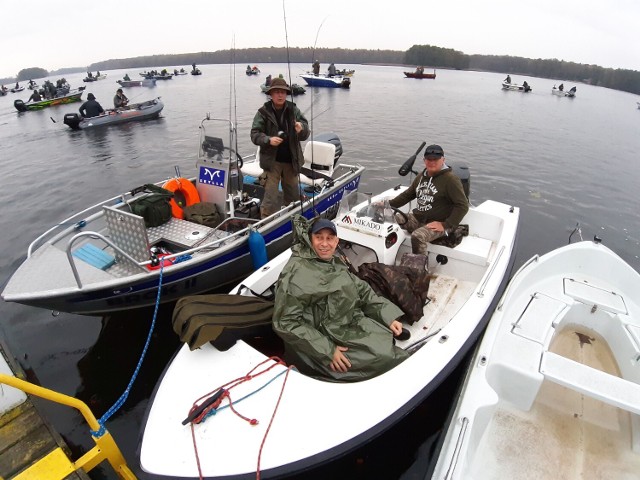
(114, 408)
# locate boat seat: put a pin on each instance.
(592, 382)
(252, 169)
(319, 157)
(472, 249)
(607, 388)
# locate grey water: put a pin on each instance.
(565, 162)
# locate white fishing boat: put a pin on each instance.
(553, 390)
(516, 88)
(322, 80)
(318, 421)
(106, 258)
(563, 93)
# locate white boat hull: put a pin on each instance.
(553, 390)
(335, 415)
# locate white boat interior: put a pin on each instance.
(465, 286)
(554, 388)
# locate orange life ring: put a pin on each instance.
(184, 192)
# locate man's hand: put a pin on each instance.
(340, 362)
(436, 226)
(396, 328)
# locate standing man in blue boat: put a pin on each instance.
(278, 128)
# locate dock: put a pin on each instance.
(30, 448)
(25, 434)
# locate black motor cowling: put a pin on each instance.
(20, 106)
(73, 120)
(331, 138)
(462, 171)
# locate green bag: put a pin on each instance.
(221, 319)
(203, 213)
(155, 207)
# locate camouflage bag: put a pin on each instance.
(454, 237)
(404, 286)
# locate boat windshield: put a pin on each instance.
(363, 205)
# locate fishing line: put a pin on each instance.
(233, 111)
(286, 38)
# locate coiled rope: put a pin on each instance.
(222, 392)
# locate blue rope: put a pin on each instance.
(114, 408)
(213, 411)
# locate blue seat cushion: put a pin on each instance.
(94, 256)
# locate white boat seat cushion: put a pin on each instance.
(472, 249)
(253, 168)
(318, 156)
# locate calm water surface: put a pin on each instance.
(562, 161)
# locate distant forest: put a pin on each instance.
(426, 55)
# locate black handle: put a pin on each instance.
(408, 165)
(198, 411)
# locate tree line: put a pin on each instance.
(428, 56)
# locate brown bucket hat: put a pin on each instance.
(278, 84)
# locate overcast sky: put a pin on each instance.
(74, 33)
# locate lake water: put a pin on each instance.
(563, 161)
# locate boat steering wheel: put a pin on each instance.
(211, 153)
(402, 215)
(379, 213)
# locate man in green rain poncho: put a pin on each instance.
(333, 324)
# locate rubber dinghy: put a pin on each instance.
(466, 284)
(107, 258)
(135, 112)
(553, 390)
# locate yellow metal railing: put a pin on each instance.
(57, 466)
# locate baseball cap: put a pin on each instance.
(323, 223)
(433, 152)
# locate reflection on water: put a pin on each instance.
(561, 160)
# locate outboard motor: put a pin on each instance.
(73, 120)
(463, 173)
(20, 106)
(331, 138)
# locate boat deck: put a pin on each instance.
(560, 419)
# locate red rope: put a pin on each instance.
(273, 415)
(225, 394)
